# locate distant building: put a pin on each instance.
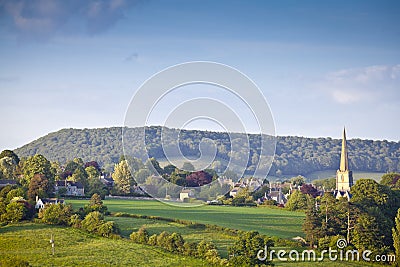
(344, 177)
(72, 188)
(40, 203)
(277, 196)
(186, 194)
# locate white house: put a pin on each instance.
(186, 194)
(40, 203)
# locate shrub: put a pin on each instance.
(152, 240)
(56, 214)
(190, 249)
(75, 221)
(94, 223)
(141, 236)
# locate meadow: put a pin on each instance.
(269, 221)
(30, 242)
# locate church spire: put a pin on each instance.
(344, 162)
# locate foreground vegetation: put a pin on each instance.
(266, 220)
(30, 242)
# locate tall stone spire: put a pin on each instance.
(344, 177)
(344, 162)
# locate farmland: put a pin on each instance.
(269, 221)
(30, 242)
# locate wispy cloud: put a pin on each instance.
(363, 84)
(41, 19)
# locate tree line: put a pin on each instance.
(294, 155)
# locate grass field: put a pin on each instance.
(268, 221)
(30, 242)
(221, 240)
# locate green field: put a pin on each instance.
(30, 242)
(269, 221)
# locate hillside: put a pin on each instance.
(294, 155)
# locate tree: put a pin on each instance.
(122, 177)
(57, 214)
(18, 192)
(297, 201)
(244, 250)
(93, 164)
(141, 175)
(391, 180)
(154, 166)
(11, 154)
(92, 172)
(80, 176)
(95, 204)
(368, 193)
(8, 167)
(37, 164)
(396, 237)
(198, 178)
(15, 212)
(141, 236)
(309, 189)
(187, 166)
(39, 186)
(312, 225)
(97, 187)
(169, 169)
(298, 180)
(94, 223)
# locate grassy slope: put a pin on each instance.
(268, 221)
(75, 248)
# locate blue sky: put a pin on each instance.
(320, 64)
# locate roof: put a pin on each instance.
(7, 182)
(186, 191)
(62, 183)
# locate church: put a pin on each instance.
(344, 177)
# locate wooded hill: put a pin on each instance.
(294, 155)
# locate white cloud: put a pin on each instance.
(368, 84)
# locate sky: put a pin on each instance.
(321, 65)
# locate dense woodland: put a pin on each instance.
(294, 155)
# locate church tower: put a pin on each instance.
(344, 177)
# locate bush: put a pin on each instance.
(15, 212)
(94, 223)
(56, 214)
(141, 236)
(75, 221)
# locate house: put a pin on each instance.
(40, 203)
(107, 181)
(72, 188)
(6, 182)
(234, 191)
(278, 196)
(186, 194)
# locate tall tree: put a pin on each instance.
(154, 166)
(312, 224)
(396, 237)
(39, 186)
(37, 164)
(122, 177)
(11, 154)
(8, 167)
